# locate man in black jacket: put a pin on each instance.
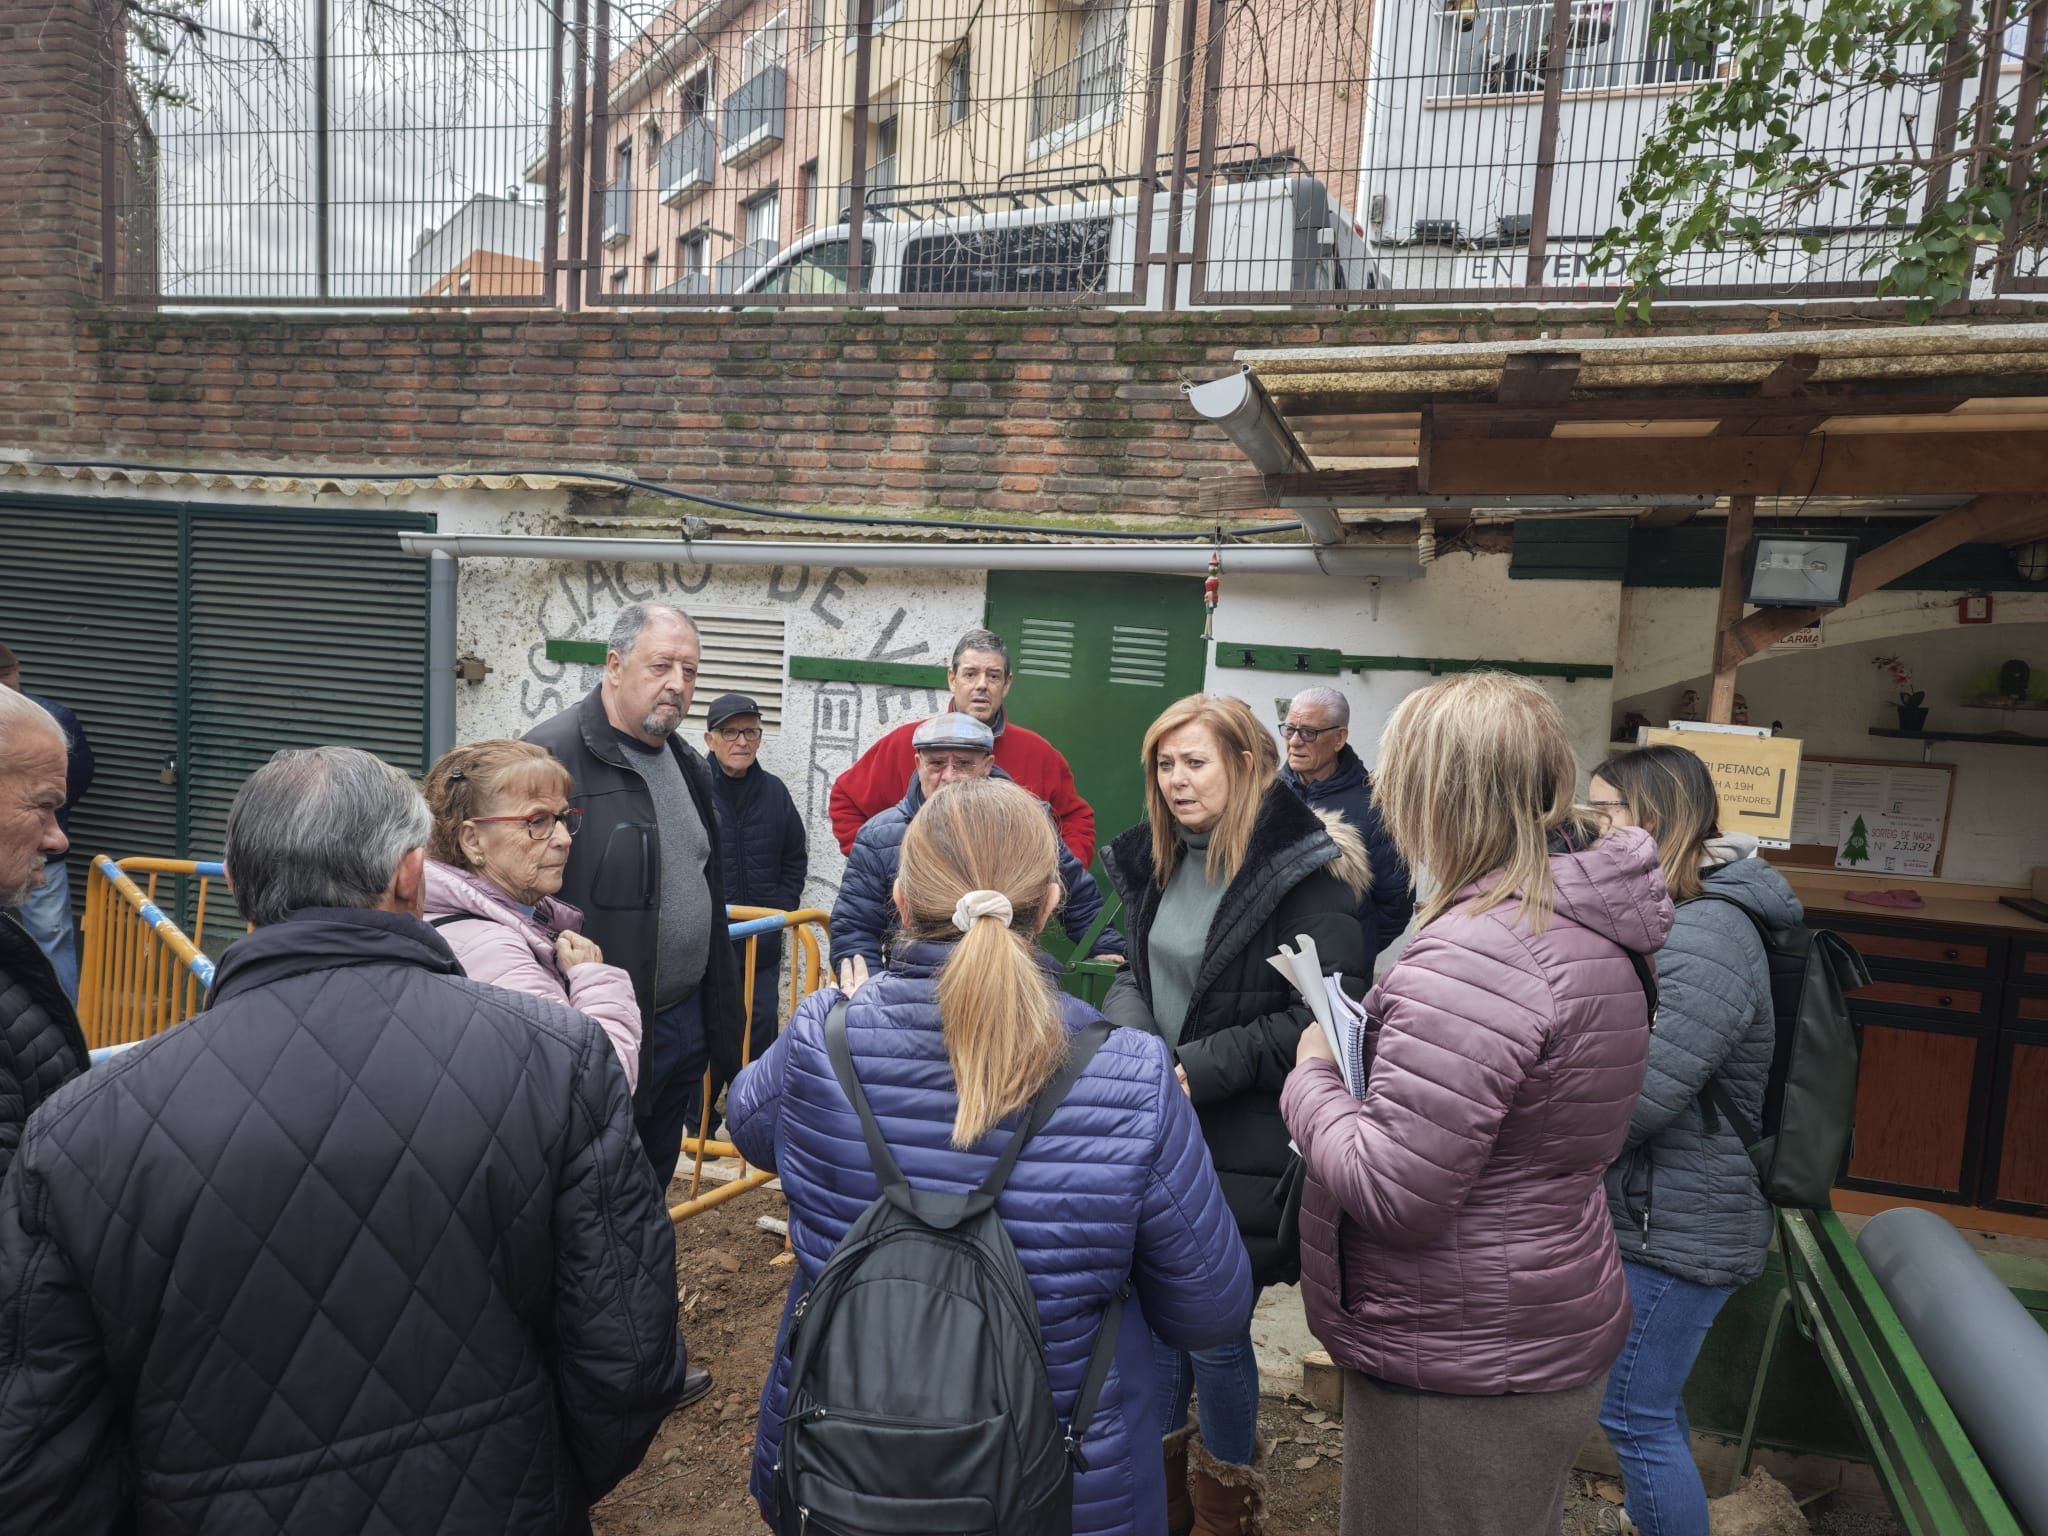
(762, 839)
(646, 868)
(41, 1046)
(366, 1245)
(1325, 772)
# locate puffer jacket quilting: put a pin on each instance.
(1686, 1199)
(41, 1046)
(1117, 1184)
(366, 1246)
(1454, 1231)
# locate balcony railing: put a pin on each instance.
(690, 282)
(1087, 89)
(733, 270)
(754, 117)
(618, 213)
(689, 161)
(1502, 50)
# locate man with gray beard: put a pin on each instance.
(41, 1045)
(646, 870)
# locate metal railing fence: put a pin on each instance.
(940, 153)
(138, 972)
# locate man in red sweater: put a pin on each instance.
(980, 679)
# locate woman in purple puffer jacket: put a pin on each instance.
(1457, 1257)
(502, 824)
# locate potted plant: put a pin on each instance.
(1912, 713)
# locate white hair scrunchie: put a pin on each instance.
(979, 904)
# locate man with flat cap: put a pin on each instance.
(946, 747)
(762, 843)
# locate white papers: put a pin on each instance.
(1341, 1019)
(1829, 791)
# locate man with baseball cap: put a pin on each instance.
(761, 841)
(946, 747)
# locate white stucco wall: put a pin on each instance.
(1462, 606)
(1831, 697)
(507, 610)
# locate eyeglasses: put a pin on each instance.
(1307, 733)
(542, 824)
(739, 733)
(1608, 805)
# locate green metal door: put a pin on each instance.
(1096, 659)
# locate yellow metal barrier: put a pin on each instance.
(138, 972)
(807, 972)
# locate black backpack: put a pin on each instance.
(918, 1400)
(1809, 1110)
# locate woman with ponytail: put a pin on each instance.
(950, 1043)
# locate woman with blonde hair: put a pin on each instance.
(1457, 1257)
(1691, 1217)
(495, 856)
(948, 1045)
(1228, 865)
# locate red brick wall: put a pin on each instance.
(1004, 414)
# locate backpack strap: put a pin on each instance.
(455, 917)
(931, 1206)
(1648, 980)
(1098, 1373)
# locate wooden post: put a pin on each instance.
(1734, 547)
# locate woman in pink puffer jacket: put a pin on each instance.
(502, 824)
(1457, 1257)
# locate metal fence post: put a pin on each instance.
(551, 236)
(2025, 118)
(863, 82)
(600, 153)
(1546, 140)
(1954, 58)
(1176, 199)
(1205, 165)
(577, 256)
(112, 182)
(1148, 167)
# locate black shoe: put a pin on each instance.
(696, 1382)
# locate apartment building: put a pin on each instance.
(729, 129)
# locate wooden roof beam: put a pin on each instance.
(1953, 464)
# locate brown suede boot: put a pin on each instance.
(1230, 1500)
(1180, 1511)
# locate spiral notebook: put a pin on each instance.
(1341, 1019)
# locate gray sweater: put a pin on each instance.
(1180, 934)
(1685, 1199)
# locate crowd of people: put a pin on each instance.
(379, 1239)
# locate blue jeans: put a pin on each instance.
(1227, 1379)
(1644, 1413)
(676, 1054)
(46, 914)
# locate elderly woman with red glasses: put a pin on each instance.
(502, 824)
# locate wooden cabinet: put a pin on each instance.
(1952, 1096)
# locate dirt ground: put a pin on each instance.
(694, 1479)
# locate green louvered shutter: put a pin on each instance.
(303, 634)
(89, 601)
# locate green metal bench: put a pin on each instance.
(1932, 1475)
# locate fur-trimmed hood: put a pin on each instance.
(1352, 865)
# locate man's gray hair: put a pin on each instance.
(22, 718)
(1332, 705)
(634, 618)
(980, 640)
(320, 828)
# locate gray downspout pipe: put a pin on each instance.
(1347, 560)
(1986, 1352)
(441, 573)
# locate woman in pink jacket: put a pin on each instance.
(502, 824)
(1457, 1257)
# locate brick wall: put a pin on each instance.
(1004, 414)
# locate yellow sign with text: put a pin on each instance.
(1757, 777)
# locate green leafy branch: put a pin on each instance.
(1765, 148)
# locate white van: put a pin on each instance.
(1273, 229)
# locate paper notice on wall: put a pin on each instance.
(1829, 790)
(1917, 792)
(1876, 843)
